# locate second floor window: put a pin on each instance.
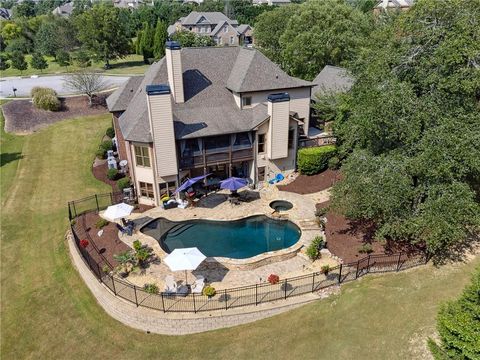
(225, 29)
(231, 40)
(146, 190)
(246, 101)
(261, 143)
(142, 157)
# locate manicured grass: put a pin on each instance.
(48, 313)
(132, 64)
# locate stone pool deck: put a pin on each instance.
(222, 274)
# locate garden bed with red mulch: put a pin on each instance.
(22, 117)
(100, 173)
(345, 237)
(305, 184)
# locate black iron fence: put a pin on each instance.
(224, 299)
(320, 141)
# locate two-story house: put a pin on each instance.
(228, 111)
(216, 25)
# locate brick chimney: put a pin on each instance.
(160, 115)
(175, 70)
(279, 111)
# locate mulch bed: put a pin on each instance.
(304, 184)
(345, 237)
(100, 173)
(109, 243)
(22, 117)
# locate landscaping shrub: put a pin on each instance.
(334, 163)
(365, 249)
(313, 250)
(101, 223)
(112, 174)
(209, 291)
(273, 279)
(101, 153)
(40, 91)
(315, 159)
(110, 132)
(325, 269)
(151, 288)
(123, 183)
(106, 269)
(137, 245)
(107, 145)
(47, 102)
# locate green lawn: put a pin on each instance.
(48, 313)
(132, 64)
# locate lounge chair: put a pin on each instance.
(197, 286)
(170, 285)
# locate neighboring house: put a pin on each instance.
(216, 25)
(63, 10)
(131, 4)
(395, 5)
(5, 14)
(331, 80)
(271, 2)
(228, 111)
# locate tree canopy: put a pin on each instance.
(189, 39)
(410, 127)
(102, 31)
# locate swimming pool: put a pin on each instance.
(238, 239)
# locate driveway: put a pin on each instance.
(56, 82)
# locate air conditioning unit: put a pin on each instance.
(112, 163)
(110, 154)
(123, 166)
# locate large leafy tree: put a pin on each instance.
(320, 33)
(102, 32)
(18, 61)
(189, 39)
(38, 62)
(410, 129)
(55, 35)
(458, 325)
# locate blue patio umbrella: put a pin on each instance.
(233, 183)
(188, 183)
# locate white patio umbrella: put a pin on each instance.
(184, 259)
(117, 211)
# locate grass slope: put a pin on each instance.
(131, 64)
(48, 313)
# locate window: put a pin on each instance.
(291, 138)
(167, 188)
(246, 101)
(232, 40)
(225, 29)
(202, 29)
(261, 143)
(146, 190)
(241, 141)
(142, 158)
(261, 173)
(216, 143)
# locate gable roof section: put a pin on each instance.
(241, 29)
(210, 18)
(253, 71)
(120, 98)
(387, 4)
(332, 79)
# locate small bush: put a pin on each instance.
(315, 159)
(313, 250)
(101, 223)
(123, 183)
(365, 249)
(110, 132)
(112, 174)
(73, 222)
(273, 279)
(47, 102)
(325, 269)
(107, 145)
(209, 291)
(40, 91)
(101, 153)
(137, 245)
(321, 212)
(151, 288)
(334, 163)
(106, 269)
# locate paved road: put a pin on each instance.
(56, 82)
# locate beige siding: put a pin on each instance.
(277, 147)
(161, 125)
(175, 74)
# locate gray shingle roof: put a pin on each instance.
(120, 98)
(332, 79)
(209, 107)
(253, 71)
(210, 18)
(242, 28)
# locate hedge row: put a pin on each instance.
(315, 159)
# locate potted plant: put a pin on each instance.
(273, 279)
(209, 291)
(325, 269)
(151, 288)
(84, 243)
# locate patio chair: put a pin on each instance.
(197, 286)
(170, 285)
(121, 229)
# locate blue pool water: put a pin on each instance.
(239, 239)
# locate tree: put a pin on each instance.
(159, 40)
(268, 29)
(189, 39)
(24, 9)
(408, 130)
(18, 62)
(20, 44)
(10, 30)
(322, 33)
(102, 32)
(146, 43)
(63, 58)
(85, 82)
(4, 65)
(38, 62)
(82, 59)
(46, 40)
(458, 325)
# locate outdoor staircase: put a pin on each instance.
(309, 225)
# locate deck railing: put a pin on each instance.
(224, 299)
